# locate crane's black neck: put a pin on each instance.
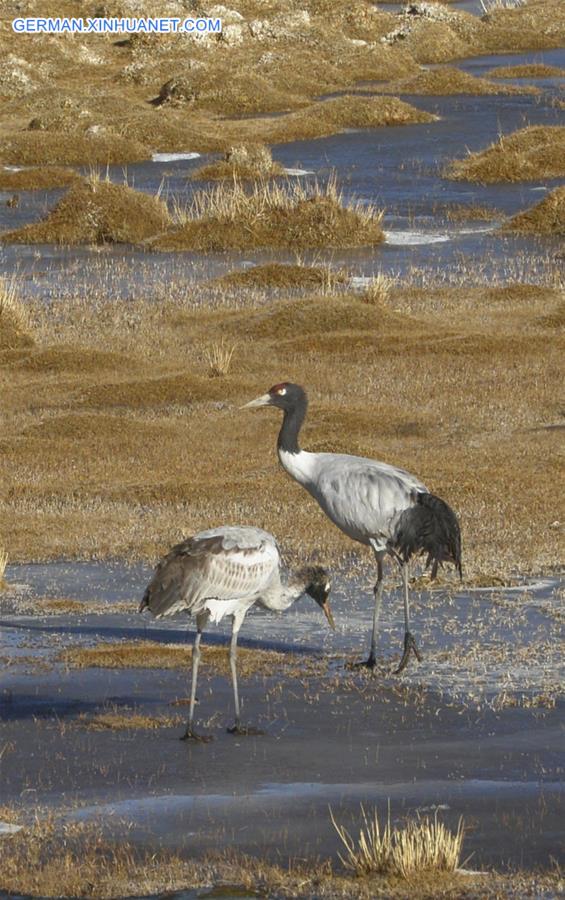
(290, 428)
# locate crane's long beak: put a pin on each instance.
(264, 400)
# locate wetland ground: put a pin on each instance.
(432, 338)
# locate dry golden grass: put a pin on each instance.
(33, 148)
(546, 217)
(422, 845)
(229, 216)
(3, 563)
(52, 859)
(527, 70)
(137, 447)
(284, 276)
(96, 212)
(218, 358)
(532, 153)
(449, 80)
(153, 655)
(245, 162)
(122, 720)
(379, 289)
(37, 179)
(15, 325)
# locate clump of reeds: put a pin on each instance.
(379, 289)
(531, 153)
(546, 217)
(218, 357)
(489, 6)
(421, 845)
(14, 317)
(3, 564)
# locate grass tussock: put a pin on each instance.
(450, 80)
(218, 357)
(96, 212)
(529, 154)
(126, 721)
(422, 845)
(230, 217)
(280, 276)
(245, 162)
(153, 655)
(37, 179)
(3, 563)
(379, 289)
(546, 217)
(15, 324)
(527, 70)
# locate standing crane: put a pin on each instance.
(374, 503)
(224, 572)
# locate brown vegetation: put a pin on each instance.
(243, 162)
(37, 179)
(15, 327)
(39, 148)
(112, 428)
(527, 70)
(449, 80)
(153, 655)
(50, 859)
(96, 212)
(529, 154)
(229, 217)
(547, 217)
(283, 276)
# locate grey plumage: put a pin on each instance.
(223, 572)
(382, 506)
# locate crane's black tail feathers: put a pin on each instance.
(431, 527)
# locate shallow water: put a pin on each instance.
(398, 169)
(436, 737)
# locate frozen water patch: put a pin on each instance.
(9, 828)
(173, 157)
(405, 238)
(298, 172)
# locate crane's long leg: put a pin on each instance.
(409, 641)
(237, 728)
(190, 734)
(371, 662)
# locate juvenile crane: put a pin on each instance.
(223, 572)
(374, 503)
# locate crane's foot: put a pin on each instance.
(409, 647)
(244, 730)
(370, 663)
(191, 735)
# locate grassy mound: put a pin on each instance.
(527, 70)
(332, 116)
(546, 217)
(36, 179)
(277, 275)
(96, 213)
(227, 217)
(246, 162)
(42, 148)
(450, 80)
(531, 153)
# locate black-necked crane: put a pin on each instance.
(224, 572)
(374, 503)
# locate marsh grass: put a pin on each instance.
(3, 563)
(535, 152)
(450, 80)
(422, 845)
(272, 214)
(218, 358)
(380, 288)
(153, 655)
(489, 6)
(96, 211)
(125, 720)
(545, 218)
(15, 320)
(527, 70)
(36, 179)
(245, 162)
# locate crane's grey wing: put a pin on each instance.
(211, 566)
(363, 497)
